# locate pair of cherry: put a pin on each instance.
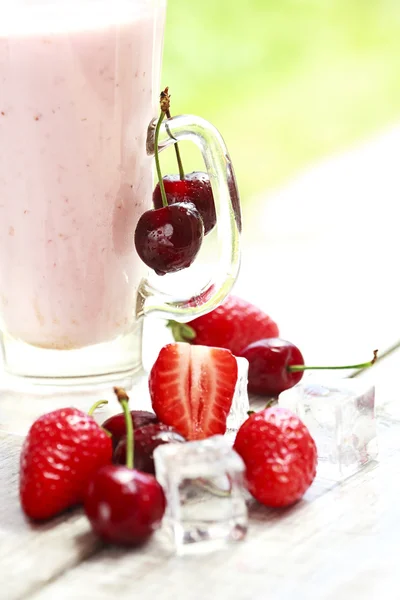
(124, 502)
(168, 238)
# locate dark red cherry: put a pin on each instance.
(269, 362)
(195, 188)
(116, 424)
(146, 440)
(168, 239)
(124, 506)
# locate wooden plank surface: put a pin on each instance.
(340, 541)
(31, 555)
(340, 544)
(284, 549)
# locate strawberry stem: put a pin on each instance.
(297, 368)
(181, 331)
(123, 399)
(95, 406)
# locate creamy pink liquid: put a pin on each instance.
(76, 97)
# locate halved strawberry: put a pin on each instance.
(192, 387)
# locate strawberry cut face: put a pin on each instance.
(192, 387)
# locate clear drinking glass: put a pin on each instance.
(79, 90)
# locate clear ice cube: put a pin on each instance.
(204, 488)
(240, 403)
(340, 416)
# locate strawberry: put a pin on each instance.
(192, 387)
(233, 325)
(280, 456)
(61, 451)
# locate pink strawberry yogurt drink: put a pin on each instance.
(75, 97)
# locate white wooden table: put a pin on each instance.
(340, 541)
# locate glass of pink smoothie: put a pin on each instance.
(79, 89)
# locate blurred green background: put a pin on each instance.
(285, 81)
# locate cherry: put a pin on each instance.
(116, 424)
(276, 365)
(123, 505)
(168, 239)
(268, 366)
(147, 438)
(195, 188)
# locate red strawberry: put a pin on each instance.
(280, 456)
(192, 387)
(61, 451)
(233, 325)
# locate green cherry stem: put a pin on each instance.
(297, 368)
(164, 106)
(123, 399)
(381, 356)
(157, 159)
(178, 154)
(271, 402)
(95, 406)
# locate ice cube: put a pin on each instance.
(204, 488)
(340, 416)
(240, 403)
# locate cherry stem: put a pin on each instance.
(271, 402)
(381, 356)
(123, 399)
(178, 154)
(297, 368)
(157, 159)
(95, 406)
(164, 105)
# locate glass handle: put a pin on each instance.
(227, 207)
